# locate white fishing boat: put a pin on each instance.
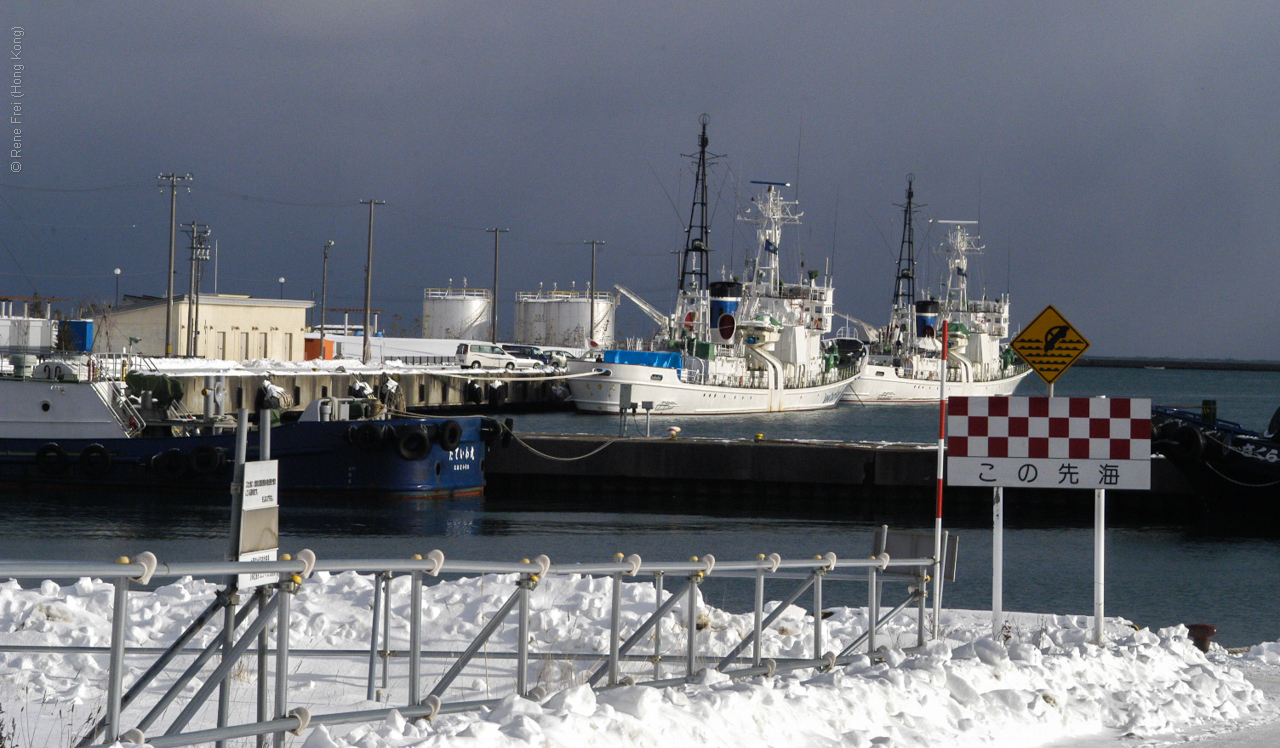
(732, 346)
(904, 361)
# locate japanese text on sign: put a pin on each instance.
(1049, 442)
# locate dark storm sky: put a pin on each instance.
(1121, 156)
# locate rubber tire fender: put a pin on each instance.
(170, 464)
(450, 435)
(95, 460)
(412, 443)
(369, 436)
(206, 459)
(51, 459)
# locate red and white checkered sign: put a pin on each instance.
(1067, 442)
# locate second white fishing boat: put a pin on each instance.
(904, 362)
(734, 346)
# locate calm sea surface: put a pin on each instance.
(1157, 575)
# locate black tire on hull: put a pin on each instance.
(206, 459)
(450, 435)
(369, 436)
(170, 464)
(51, 459)
(95, 461)
(413, 443)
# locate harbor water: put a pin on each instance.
(1158, 574)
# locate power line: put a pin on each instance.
(273, 201)
(109, 188)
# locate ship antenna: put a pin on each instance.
(697, 243)
(904, 292)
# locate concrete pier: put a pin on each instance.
(862, 480)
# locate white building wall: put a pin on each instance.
(231, 328)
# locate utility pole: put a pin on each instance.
(591, 292)
(324, 283)
(493, 313)
(173, 178)
(199, 253)
(368, 280)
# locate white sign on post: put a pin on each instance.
(259, 520)
(1043, 442)
(261, 489)
(1049, 442)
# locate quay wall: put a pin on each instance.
(864, 481)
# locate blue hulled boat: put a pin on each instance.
(80, 423)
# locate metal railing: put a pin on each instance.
(276, 717)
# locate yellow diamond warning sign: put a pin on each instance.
(1050, 344)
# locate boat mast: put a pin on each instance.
(772, 213)
(904, 291)
(697, 243)
(959, 245)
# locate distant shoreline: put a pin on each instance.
(1175, 363)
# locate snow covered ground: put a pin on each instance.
(1041, 683)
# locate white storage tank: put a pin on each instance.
(456, 313)
(563, 318)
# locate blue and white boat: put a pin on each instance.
(77, 423)
(752, 344)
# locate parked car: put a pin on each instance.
(484, 355)
(525, 351)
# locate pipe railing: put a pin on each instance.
(273, 605)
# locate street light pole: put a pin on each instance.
(591, 292)
(368, 280)
(117, 286)
(282, 287)
(173, 228)
(493, 313)
(324, 284)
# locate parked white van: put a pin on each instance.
(483, 355)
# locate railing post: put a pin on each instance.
(873, 608)
(285, 593)
(615, 628)
(657, 630)
(818, 574)
(415, 638)
(264, 707)
(691, 620)
(383, 694)
(522, 641)
(373, 634)
(759, 618)
(228, 641)
(115, 683)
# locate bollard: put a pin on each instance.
(1201, 633)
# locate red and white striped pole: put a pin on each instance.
(937, 523)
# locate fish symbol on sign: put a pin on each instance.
(1054, 335)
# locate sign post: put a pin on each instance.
(1045, 442)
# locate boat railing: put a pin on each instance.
(691, 376)
(130, 417)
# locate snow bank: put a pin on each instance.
(1042, 682)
